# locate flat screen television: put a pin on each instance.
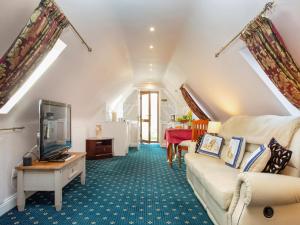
(54, 130)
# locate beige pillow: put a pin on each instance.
(235, 152)
(257, 160)
(211, 145)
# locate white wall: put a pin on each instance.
(227, 84)
(13, 146)
(131, 106)
(84, 80)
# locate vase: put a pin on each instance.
(98, 131)
(114, 117)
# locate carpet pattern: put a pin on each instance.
(137, 189)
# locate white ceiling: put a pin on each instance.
(188, 33)
(168, 17)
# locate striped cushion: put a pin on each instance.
(258, 160)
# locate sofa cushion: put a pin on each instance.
(192, 146)
(280, 157)
(218, 179)
(235, 151)
(211, 145)
(260, 129)
(257, 160)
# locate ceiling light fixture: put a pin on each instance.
(151, 47)
(152, 29)
(150, 64)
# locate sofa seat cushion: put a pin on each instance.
(218, 179)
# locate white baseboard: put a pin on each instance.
(133, 145)
(11, 202)
(8, 204)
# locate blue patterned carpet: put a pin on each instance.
(137, 189)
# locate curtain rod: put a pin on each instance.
(80, 37)
(75, 31)
(267, 7)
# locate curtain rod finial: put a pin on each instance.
(268, 6)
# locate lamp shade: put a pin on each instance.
(214, 127)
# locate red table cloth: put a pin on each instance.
(175, 136)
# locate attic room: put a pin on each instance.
(150, 112)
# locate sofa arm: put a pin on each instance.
(263, 189)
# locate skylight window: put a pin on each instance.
(264, 77)
(38, 72)
(199, 104)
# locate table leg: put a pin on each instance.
(82, 176)
(170, 154)
(175, 151)
(179, 156)
(20, 192)
(58, 190)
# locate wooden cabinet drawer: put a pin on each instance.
(97, 149)
(103, 142)
(71, 171)
(103, 148)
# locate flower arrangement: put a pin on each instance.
(186, 118)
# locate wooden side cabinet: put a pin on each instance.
(99, 148)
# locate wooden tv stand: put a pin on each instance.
(49, 176)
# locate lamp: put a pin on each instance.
(213, 127)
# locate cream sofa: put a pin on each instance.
(234, 198)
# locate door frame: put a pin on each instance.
(149, 108)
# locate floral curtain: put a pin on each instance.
(192, 104)
(35, 40)
(268, 48)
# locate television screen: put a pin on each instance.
(55, 128)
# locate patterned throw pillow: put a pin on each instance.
(257, 160)
(198, 142)
(235, 152)
(211, 145)
(280, 157)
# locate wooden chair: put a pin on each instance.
(199, 127)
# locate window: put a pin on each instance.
(264, 77)
(38, 72)
(198, 103)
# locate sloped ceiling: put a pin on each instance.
(187, 35)
(227, 84)
(136, 17)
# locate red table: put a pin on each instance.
(174, 136)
